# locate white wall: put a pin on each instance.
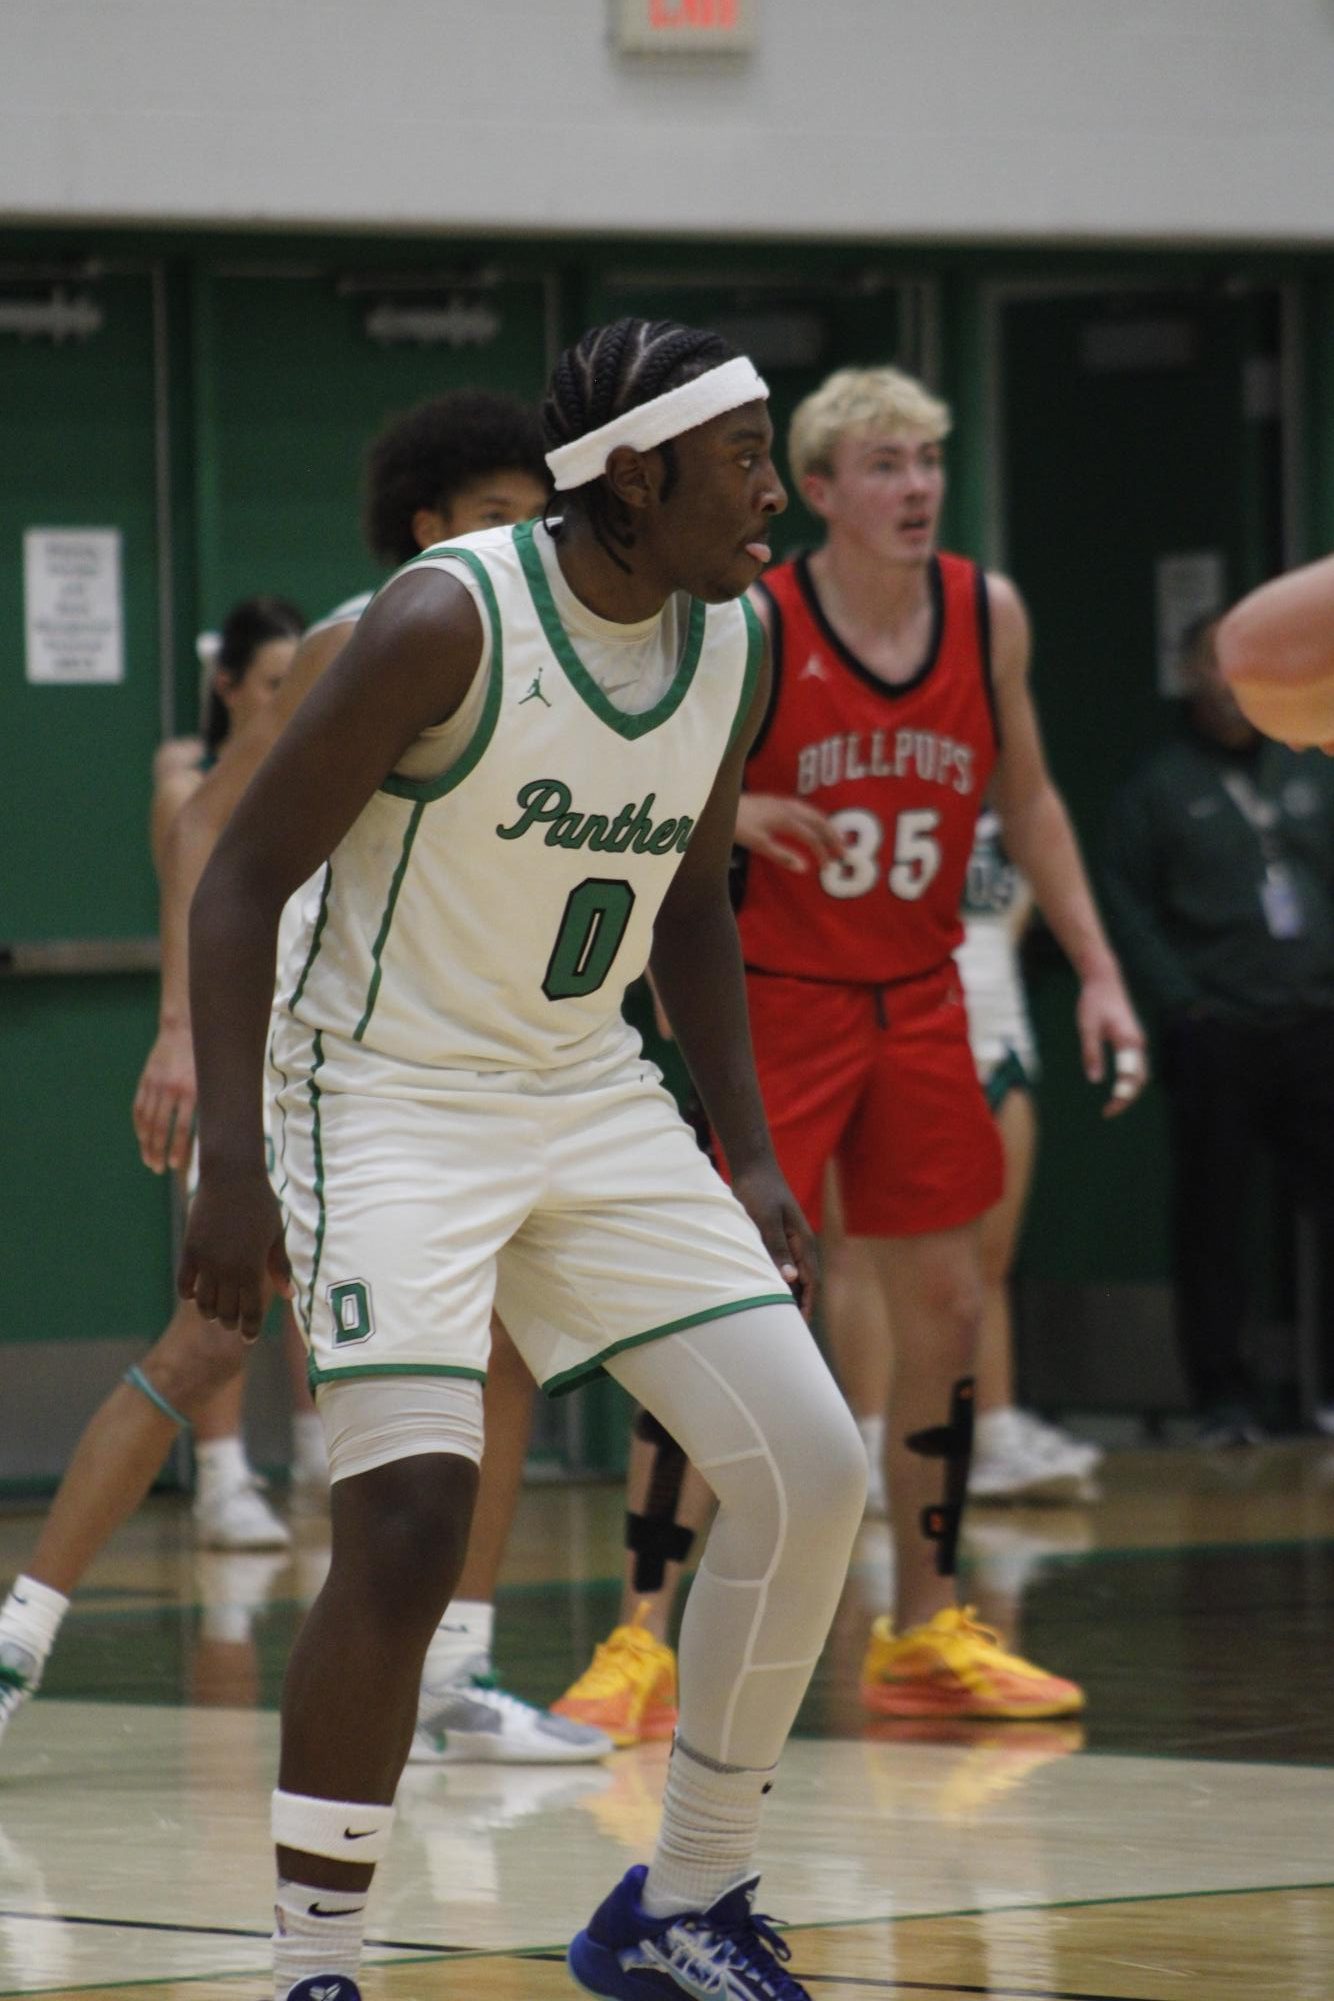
(1157, 120)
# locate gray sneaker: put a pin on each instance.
(472, 1721)
(20, 1673)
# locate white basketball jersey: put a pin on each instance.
(490, 918)
(996, 899)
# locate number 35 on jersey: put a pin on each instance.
(913, 859)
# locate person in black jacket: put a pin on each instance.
(1220, 892)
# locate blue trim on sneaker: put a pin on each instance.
(623, 1954)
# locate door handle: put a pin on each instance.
(37, 958)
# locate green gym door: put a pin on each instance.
(295, 372)
(1137, 471)
(85, 1248)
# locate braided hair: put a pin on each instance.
(611, 370)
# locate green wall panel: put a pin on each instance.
(84, 1251)
(291, 388)
(1126, 439)
(77, 420)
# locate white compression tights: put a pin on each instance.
(754, 1408)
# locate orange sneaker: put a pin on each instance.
(629, 1688)
(954, 1666)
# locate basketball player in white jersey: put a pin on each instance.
(464, 461)
(1016, 1456)
(518, 782)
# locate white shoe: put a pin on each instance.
(1324, 1419)
(20, 1674)
(236, 1516)
(471, 1721)
(1009, 1464)
(241, 1580)
(1047, 1435)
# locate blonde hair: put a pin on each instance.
(860, 399)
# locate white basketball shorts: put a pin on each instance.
(579, 1203)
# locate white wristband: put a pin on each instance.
(339, 1830)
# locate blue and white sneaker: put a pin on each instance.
(325, 1987)
(727, 1953)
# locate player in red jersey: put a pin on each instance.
(900, 694)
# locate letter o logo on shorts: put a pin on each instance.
(350, 1305)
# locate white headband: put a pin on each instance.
(666, 416)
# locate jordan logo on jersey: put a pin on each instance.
(535, 692)
(814, 670)
(546, 802)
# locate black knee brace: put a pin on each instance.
(656, 1538)
(952, 1442)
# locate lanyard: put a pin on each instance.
(1260, 814)
(1280, 897)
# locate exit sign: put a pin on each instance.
(691, 27)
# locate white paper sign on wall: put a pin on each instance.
(72, 606)
(684, 27)
(1187, 587)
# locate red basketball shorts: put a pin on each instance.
(881, 1081)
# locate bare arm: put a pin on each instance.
(164, 1102)
(165, 1095)
(407, 667)
(788, 831)
(1284, 631)
(1041, 840)
(697, 970)
(175, 782)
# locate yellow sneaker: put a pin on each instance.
(954, 1666)
(629, 1689)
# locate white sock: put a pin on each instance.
(310, 1456)
(710, 1828)
(464, 1633)
(32, 1614)
(221, 1462)
(314, 1932)
(872, 1430)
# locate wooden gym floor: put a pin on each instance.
(1175, 1845)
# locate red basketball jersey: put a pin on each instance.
(901, 771)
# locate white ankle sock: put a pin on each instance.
(465, 1632)
(32, 1614)
(315, 1931)
(221, 1462)
(710, 1827)
(872, 1430)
